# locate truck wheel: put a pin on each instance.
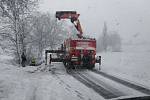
(91, 66)
(68, 65)
(64, 64)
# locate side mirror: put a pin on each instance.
(98, 60)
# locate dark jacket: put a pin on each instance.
(23, 57)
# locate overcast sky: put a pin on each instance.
(131, 18)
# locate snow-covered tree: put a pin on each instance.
(47, 33)
(109, 41)
(114, 41)
(14, 16)
(103, 39)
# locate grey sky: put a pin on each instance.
(131, 18)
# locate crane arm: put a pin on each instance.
(73, 16)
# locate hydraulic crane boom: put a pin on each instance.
(73, 16)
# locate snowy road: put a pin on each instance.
(109, 87)
(100, 83)
(124, 82)
(59, 85)
(106, 93)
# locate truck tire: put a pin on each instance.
(91, 66)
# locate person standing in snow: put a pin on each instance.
(23, 57)
(98, 59)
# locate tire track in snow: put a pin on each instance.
(69, 88)
(97, 88)
(106, 85)
(126, 83)
(33, 97)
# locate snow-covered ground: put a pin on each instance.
(21, 84)
(133, 63)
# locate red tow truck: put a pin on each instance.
(75, 52)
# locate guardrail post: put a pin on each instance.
(45, 57)
(50, 58)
